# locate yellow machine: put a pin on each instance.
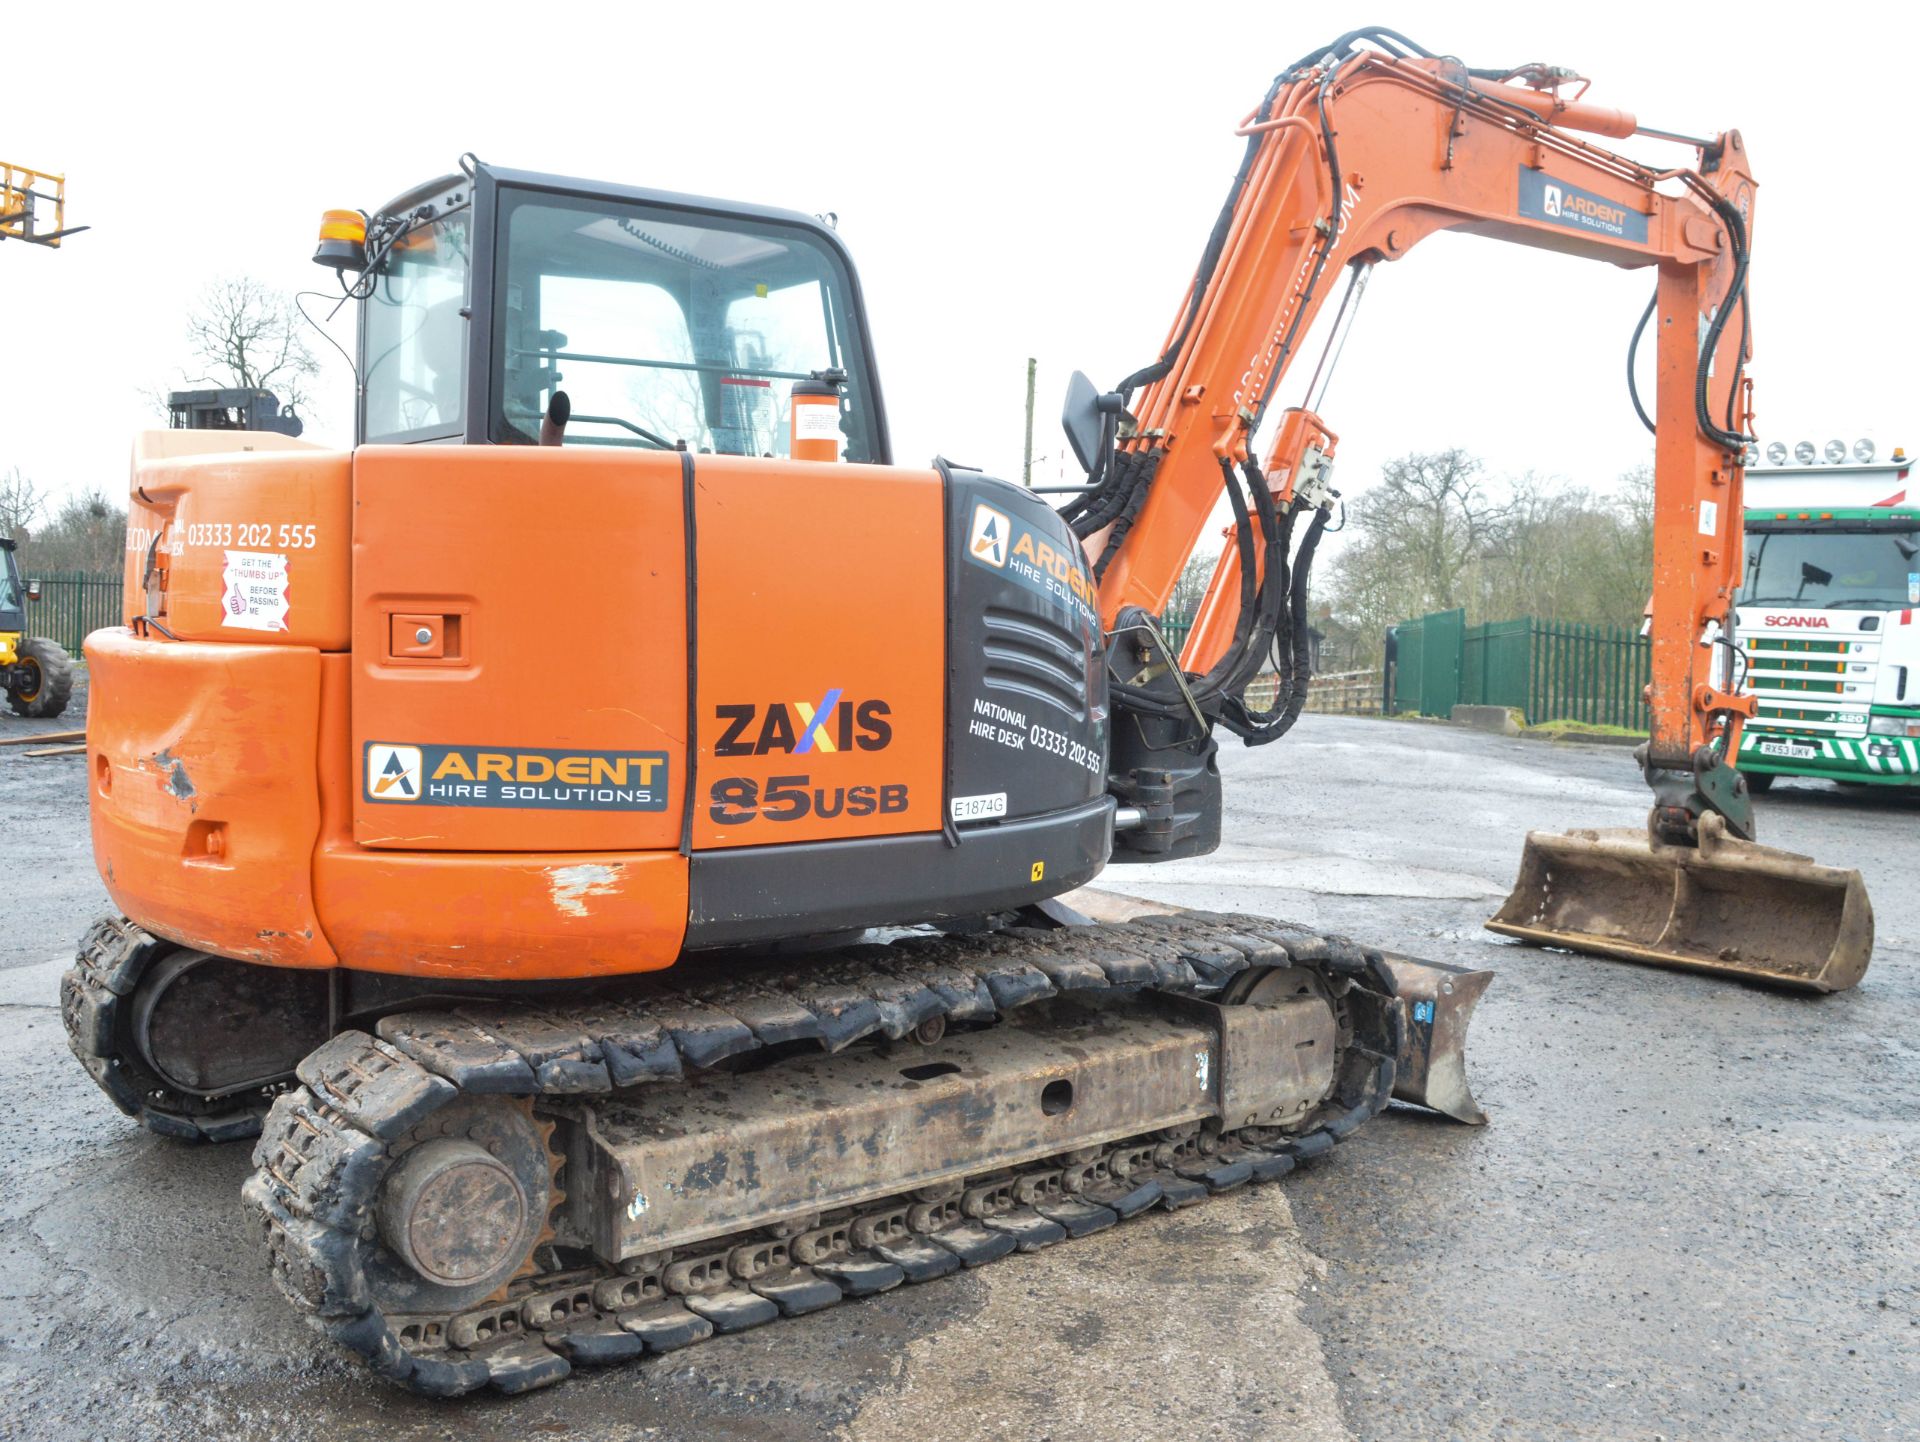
(37, 673)
(21, 191)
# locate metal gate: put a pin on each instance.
(1549, 670)
(1441, 654)
(71, 604)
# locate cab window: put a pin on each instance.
(667, 328)
(415, 335)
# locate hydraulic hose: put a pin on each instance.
(1729, 435)
(1633, 352)
(1293, 654)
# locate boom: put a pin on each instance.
(1355, 155)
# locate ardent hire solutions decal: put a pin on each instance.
(516, 777)
(998, 542)
(1544, 197)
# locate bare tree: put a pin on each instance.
(21, 501)
(250, 337)
(1430, 537)
(87, 533)
(1629, 561)
(1433, 519)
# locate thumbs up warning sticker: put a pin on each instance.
(253, 596)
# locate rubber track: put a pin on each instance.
(113, 956)
(324, 1150)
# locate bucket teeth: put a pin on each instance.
(1727, 907)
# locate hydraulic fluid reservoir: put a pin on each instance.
(816, 417)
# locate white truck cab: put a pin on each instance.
(1828, 619)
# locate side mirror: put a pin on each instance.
(33, 590)
(1081, 418)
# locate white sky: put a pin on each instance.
(1014, 180)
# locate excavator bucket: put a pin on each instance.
(1727, 907)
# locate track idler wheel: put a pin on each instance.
(456, 1214)
(192, 1046)
(462, 1207)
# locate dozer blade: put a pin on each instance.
(1436, 999)
(1439, 1002)
(1727, 907)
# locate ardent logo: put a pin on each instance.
(1551, 201)
(989, 539)
(393, 772)
(1812, 622)
(434, 773)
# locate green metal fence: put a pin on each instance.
(71, 604)
(1596, 674)
(1409, 664)
(1494, 661)
(1551, 670)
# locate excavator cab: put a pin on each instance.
(665, 321)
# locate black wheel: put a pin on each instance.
(47, 681)
(1759, 782)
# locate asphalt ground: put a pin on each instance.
(1693, 1215)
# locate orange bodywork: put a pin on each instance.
(1423, 148)
(205, 806)
(288, 777)
(818, 589)
(199, 496)
(546, 632)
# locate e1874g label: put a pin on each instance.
(979, 808)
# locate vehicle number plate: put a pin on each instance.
(1794, 750)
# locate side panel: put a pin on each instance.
(523, 916)
(822, 652)
(1025, 721)
(519, 638)
(1028, 679)
(204, 802)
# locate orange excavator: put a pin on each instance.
(607, 833)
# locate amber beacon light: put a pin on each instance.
(343, 240)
